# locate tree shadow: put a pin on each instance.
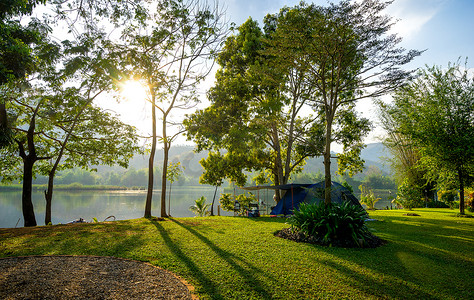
(202, 278)
(247, 272)
(411, 267)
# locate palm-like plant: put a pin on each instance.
(367, 197)
(200, 207)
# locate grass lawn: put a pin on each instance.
(427, 257)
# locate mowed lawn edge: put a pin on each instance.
(429, 256)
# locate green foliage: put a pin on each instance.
(331, 224)
(435, 111)
(256, 111)
(345, 184)
(218, 167)
(448, 196)
(409, 196)
(244, 200)
(226, 201)
(367, 197)
(200, 208)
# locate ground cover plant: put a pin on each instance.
(426, 257)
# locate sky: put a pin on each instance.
(443, 28)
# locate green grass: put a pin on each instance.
(426, 257)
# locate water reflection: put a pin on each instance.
(68, 206)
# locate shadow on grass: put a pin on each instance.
(256, 285)
(415, 264)
(207, 284)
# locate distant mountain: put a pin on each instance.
(377, 154)
(373, 155)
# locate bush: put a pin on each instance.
(337, 225)
(409, 196)
(449, 197)
(227, 202)
(200, 207)
(367, 197)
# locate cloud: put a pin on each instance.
(412, 15)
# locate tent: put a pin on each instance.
(308, 193)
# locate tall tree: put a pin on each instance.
(347, 54)
(169, 56)
(256, 110)
(436, 111)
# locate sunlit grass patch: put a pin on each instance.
(429, 256)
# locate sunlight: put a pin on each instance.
(133, 90)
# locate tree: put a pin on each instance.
(19, 49)
(55, 107)
(347, 54)
(409, 172)
(218, 167)
(174, 172)
(169, 56)
(47, 127)
(256, 110)
(436, 111)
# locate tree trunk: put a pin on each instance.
(149, 194)
(169, 201)
(461, 192)
(26, 203)
(213, 199)
(164, 175)
(279, 176)
(327, 160)
(48, 195)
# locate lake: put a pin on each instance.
(71, 205)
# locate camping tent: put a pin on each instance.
(308, 193)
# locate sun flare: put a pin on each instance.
(133, 90)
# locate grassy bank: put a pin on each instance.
(426, 257)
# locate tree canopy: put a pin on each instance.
(436, 111)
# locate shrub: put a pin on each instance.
(200, 207)
(338, 225)
(409, 196)
(449, 197)
(367, 197)
(227, 202)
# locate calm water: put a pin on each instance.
(68, 206)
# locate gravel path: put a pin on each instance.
(87, 277)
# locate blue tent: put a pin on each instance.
(308, 193)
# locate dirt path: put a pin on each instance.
(87, 277)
